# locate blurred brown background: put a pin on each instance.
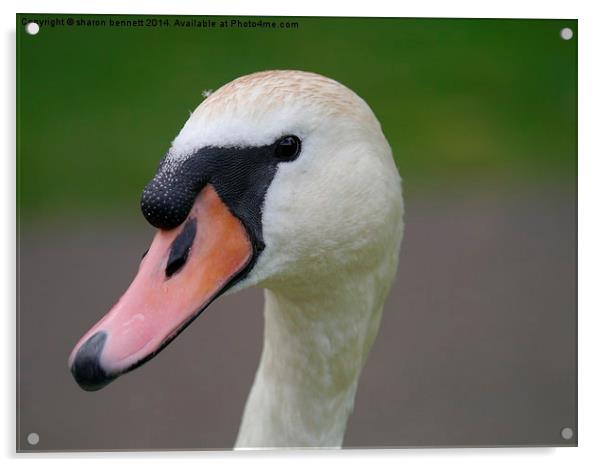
(478, 339)
(477, 345)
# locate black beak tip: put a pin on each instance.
(86, 367)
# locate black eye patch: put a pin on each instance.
(180, 248)
(241, 177)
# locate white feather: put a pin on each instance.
(332, 225)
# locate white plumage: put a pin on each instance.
(332, 224)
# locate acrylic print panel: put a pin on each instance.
(284, 181)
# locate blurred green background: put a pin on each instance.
(461, 101)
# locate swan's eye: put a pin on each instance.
(288, 148)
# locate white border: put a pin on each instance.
(590, 226)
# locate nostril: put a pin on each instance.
(180, 248)
(86, 367)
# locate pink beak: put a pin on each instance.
(184, 270)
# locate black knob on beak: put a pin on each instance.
(168, 198)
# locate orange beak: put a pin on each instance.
(184, 270)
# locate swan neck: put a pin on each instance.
(312, 356)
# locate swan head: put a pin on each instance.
(281, 179)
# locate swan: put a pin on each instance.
(283, 180)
